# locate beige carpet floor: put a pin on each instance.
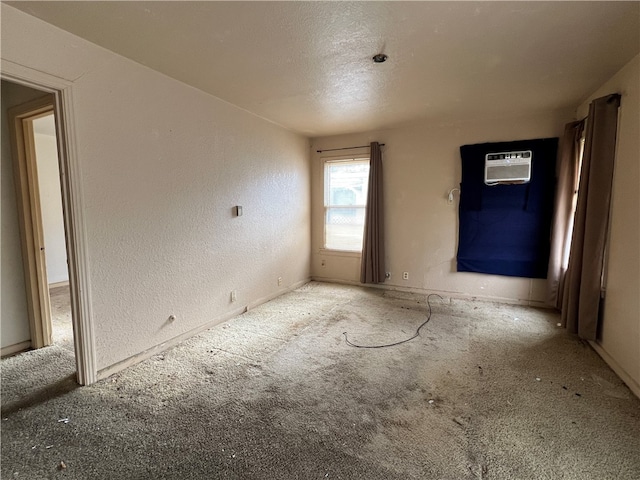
(61, 317)
(487, 391)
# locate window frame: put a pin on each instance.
(326, 162)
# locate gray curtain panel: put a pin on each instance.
(567, 170)
(583, 282)
(372, 266)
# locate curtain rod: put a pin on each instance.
(346, 148)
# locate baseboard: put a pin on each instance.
(64, 283)
(633, 384)
(444, 293)
(268, 298)
(339, 281)
(139, 357)
(16, 348)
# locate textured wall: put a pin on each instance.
(621, 325)
(421, 164)
(51, 205)
(162, 166)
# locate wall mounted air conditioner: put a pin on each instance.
(507, 167)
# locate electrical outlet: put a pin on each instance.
(233, 296)
(405, 275)
(279, 281)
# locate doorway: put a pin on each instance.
(34, 232)
(27, 255)
(50, 194)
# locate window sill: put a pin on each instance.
(340, 253)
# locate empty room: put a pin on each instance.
(298, 240)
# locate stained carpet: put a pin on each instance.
(487, 391)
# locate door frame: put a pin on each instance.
(72, 207)
(30, 215)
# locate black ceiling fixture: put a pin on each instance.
(380, 58)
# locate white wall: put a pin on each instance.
(162, 166)
(51, 204)
(14, 327)
(620, 341)
(421, 164)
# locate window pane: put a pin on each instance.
(347, 183)
(344, 228)
(345, 200)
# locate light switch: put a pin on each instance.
(238, 211)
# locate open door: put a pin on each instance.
(21, 132)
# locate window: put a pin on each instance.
(345, 201)
(574, 206)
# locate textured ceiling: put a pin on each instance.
(307, 65)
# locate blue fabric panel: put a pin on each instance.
(505, 229)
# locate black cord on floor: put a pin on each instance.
(415, 335)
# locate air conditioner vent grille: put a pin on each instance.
(507, 167)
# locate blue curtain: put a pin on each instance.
(505, 229)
